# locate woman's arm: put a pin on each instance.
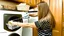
(31, 25)
(34, 25)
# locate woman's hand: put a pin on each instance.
(34, 14)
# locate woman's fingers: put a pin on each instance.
(33, 14)
(12, 22)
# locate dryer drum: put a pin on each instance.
(14, 34)
(14, 17)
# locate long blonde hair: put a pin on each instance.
(42, 10)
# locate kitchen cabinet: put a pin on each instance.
(63, 19)
(32, 3)
(3, 2)
(63, 30)
(63, 33)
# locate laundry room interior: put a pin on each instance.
(27, 11)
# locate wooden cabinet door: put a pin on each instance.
(56, 10)
(32, 3)
(63, 19)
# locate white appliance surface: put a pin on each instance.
(4, 32)
(2, 12)
(21, 31)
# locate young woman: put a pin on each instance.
(45, 22)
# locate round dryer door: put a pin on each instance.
(14, 17)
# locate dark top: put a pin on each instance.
(44, 26)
